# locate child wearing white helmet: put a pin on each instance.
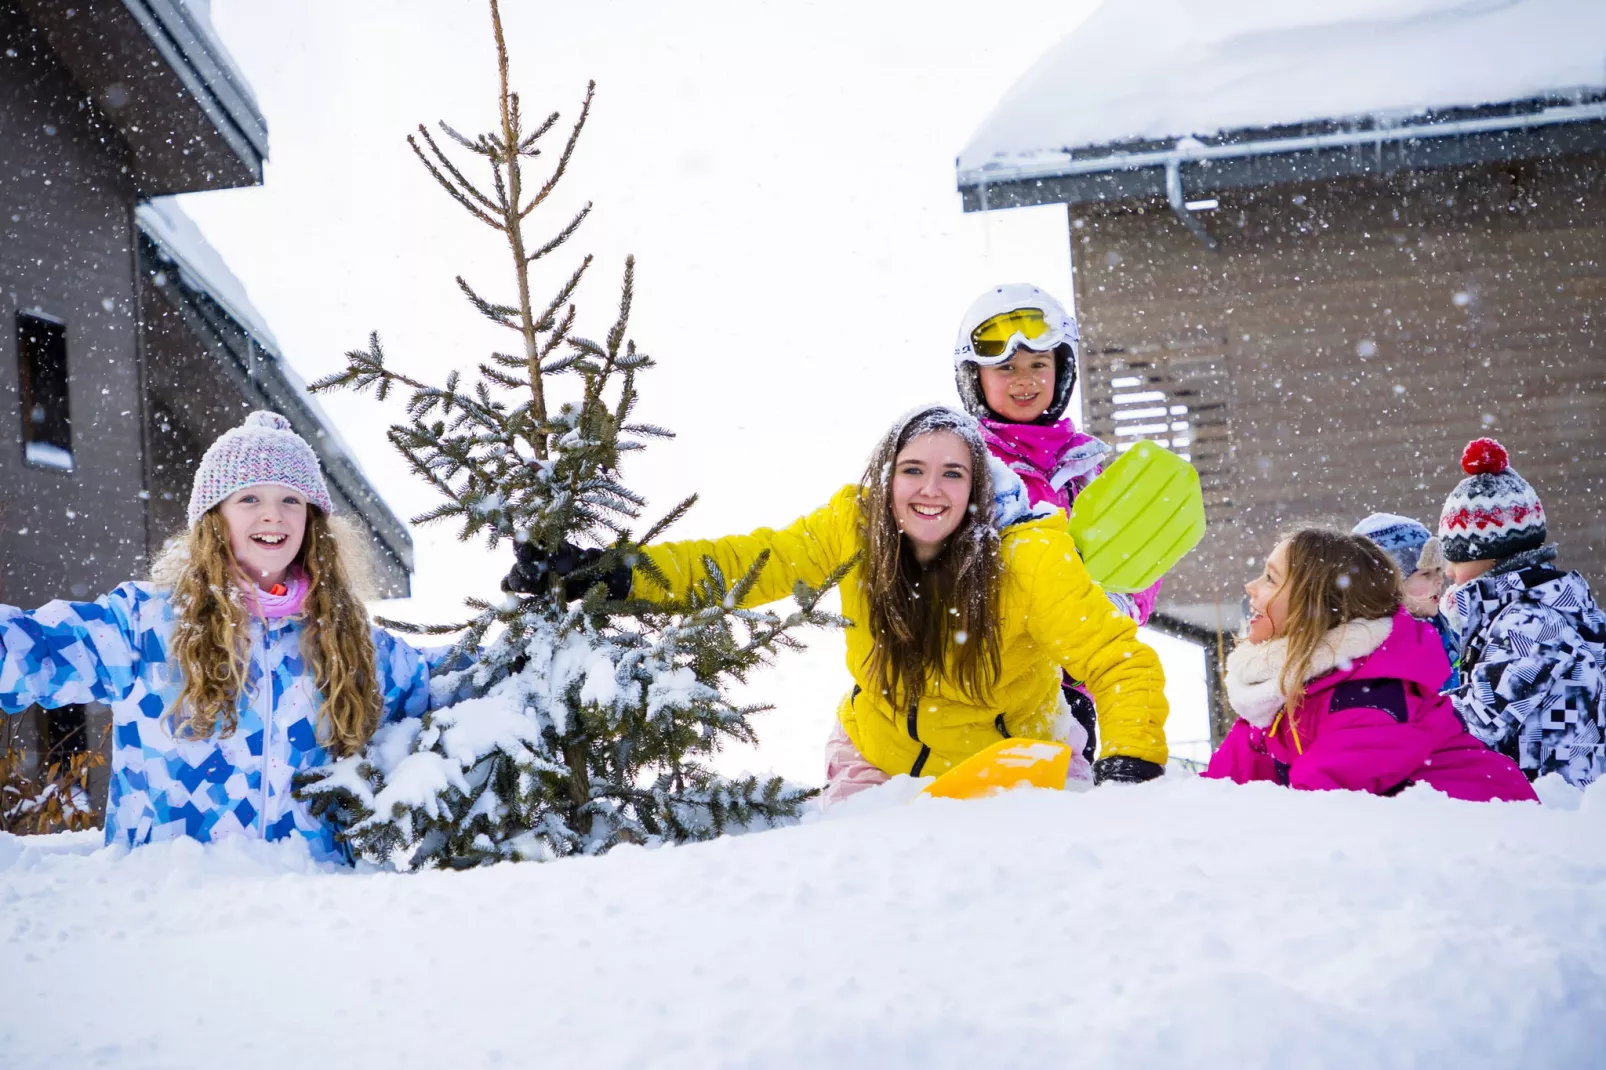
(1015, 367)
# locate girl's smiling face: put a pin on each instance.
(1022, 387)
(931, 490)
(1268, 597)
(266, 525)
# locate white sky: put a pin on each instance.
(783, 172)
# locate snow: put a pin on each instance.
(1139, 69)
(201, 19)
(1179, 923)
(47, 455)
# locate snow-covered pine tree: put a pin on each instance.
(573, 726)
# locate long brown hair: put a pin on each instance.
(945, 613)
(1334, 577)
(210, 644)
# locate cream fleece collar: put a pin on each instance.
(1253, 669)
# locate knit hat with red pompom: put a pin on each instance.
(262, 450)
(1493, 513)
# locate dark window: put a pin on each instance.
(42, 373)
(63, 733)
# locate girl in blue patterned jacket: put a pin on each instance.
(248, 659)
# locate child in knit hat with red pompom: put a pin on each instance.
(248, 658)
(1532, 640)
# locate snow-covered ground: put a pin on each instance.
(1180, 923)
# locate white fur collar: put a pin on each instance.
(1253, 669)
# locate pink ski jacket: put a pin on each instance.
(1056, 462)
(1374, 723)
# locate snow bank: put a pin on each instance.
(1181, 923)
(1169, 68)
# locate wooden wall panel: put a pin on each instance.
(1356, 334)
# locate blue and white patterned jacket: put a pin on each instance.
(114, 650)
(1533, 667)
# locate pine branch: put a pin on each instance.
(537, 135)
(446, 184)
(501, 315)
(668, 519)
(563, 235)
(502, 379)
(568, 151)
(627, 296)
(450, 168)
(544, 322)
(482, 145)
(420, 629)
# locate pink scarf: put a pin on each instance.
(1055, 461)
(278, 606)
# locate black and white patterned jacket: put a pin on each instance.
(1533, 667)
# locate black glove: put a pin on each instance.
(1122, 769)
(1082, 709)
(532, 566)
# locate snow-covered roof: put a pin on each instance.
(200, 12)
(183, 249)
(203, 269)
(1138, 70)
(182, 242)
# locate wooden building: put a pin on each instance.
(126, 346)
(1320, 309)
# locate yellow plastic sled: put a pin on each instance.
(1138, 518)
(1006, 764)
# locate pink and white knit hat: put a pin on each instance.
(262, 450)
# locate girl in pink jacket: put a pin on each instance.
(1336, 685)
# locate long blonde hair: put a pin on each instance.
(210, 644)
(1334, 577)
(945, 613)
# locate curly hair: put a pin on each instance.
(211, 642)
(945, 613)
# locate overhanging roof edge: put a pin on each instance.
(1124, 175)
(210, 78)
(339, 466)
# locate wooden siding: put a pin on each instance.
(1349, 338)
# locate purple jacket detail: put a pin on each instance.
(1370, 749)
(1037, 453)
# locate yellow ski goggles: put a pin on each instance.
(993, 337)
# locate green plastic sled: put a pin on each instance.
(1138, 518)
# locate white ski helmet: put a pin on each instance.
(1057, 331)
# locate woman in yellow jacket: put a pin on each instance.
(964, 608)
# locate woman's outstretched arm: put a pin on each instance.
(808, 549)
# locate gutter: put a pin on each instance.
(1118, 175)
(1179, 204)
(1193, 150)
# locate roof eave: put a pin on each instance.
(1249, 159)
(266, 376)
(156, 76)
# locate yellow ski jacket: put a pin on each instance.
(1051, 612)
